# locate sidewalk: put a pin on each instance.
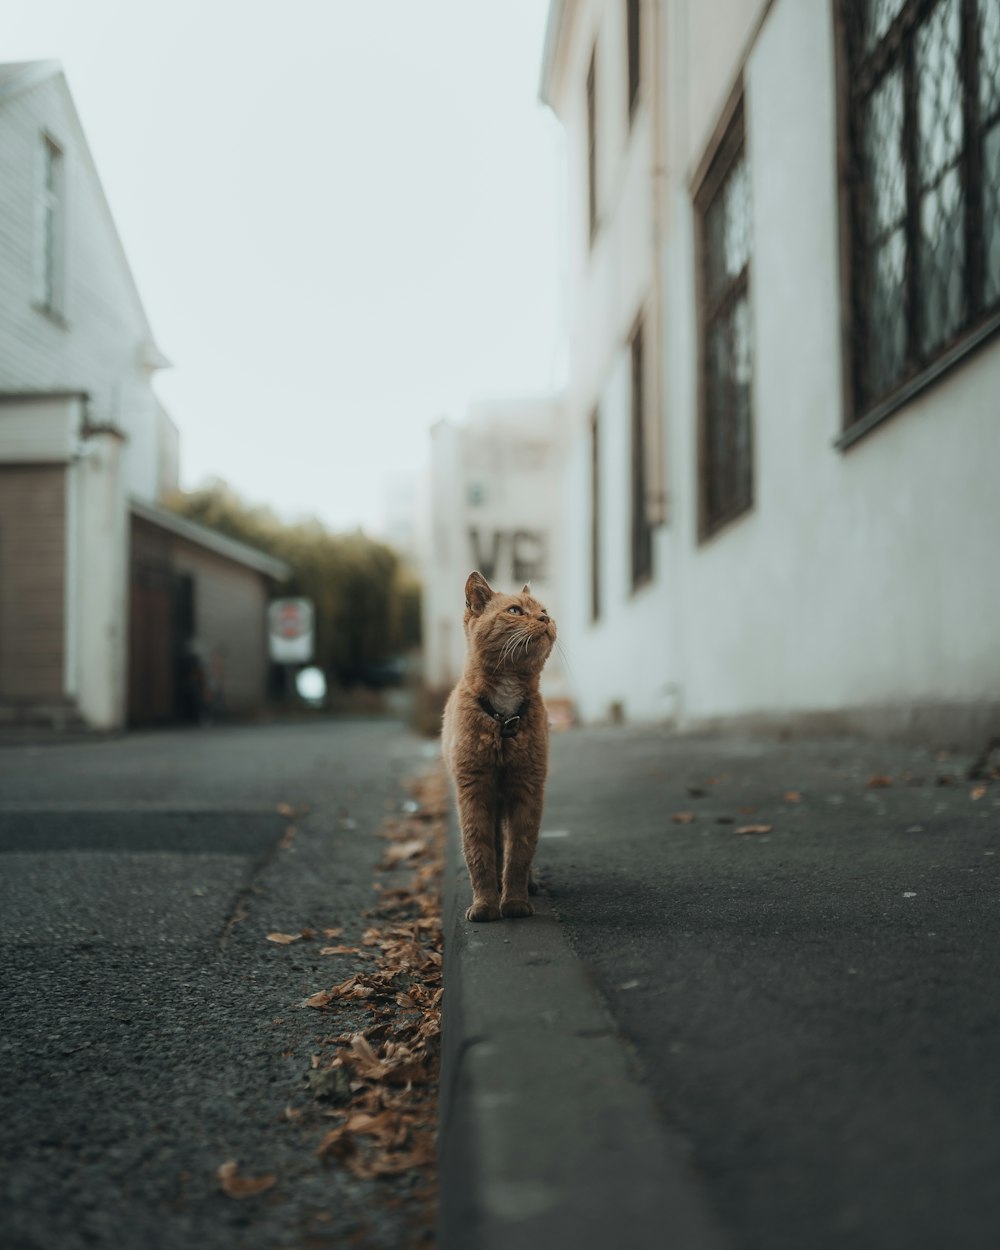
(757, 1007)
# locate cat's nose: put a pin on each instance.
(543, 617)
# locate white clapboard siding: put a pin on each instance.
(102, 344)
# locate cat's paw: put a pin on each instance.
(480, 912)
(515, 908)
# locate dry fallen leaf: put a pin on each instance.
(978, 792)
(332, 1083)
(403, 851)
(879, 781)
(283, 939)
(320, 999)
(683, 818)
(234, 1186)
(333, 933)
(793, 796)
(285, 809)
(341, 950)
(754, 828)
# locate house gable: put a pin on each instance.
(98, 339)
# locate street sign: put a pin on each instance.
(290, 631)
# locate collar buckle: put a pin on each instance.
(509, 727)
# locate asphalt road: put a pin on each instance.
(150, 1032)
(814, 1008)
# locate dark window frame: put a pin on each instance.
(861, 72)
(51, 224)
(595, 515)
(592, 213)
(641, 531)
(633, 52)
(726, 150)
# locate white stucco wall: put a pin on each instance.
(859, 578)
(621, 658)
(619, 661)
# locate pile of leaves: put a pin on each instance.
(382, 1078)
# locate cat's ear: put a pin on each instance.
(526, 588)
(478, 592)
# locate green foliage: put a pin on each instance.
(367, 604)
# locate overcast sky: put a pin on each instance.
(344, 220)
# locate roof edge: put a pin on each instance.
(211, 540)
(25, 74)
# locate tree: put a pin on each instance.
(367, 605)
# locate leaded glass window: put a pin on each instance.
(724, 208)
(921, 172)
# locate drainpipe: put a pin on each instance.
(657, 501)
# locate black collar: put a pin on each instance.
(509, 725)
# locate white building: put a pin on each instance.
(783, 410)
(88, 615)
(492, 508)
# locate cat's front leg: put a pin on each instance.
(524, 819)
(477, 819)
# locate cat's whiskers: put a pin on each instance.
(565, 657)
(505, 650)
(501, 658)
(509, 649)
(523, 636)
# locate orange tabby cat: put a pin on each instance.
(496, 745)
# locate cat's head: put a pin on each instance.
(506, 633)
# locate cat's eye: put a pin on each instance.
(516, 610)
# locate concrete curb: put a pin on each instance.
(547, 1137)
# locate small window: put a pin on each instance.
(595, 517)
(50, 227)
(723, 211)
(632, 35)
(592, 144)
(642, 531)
(920, 89)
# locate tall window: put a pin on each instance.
(50, 227)
(723, 212)
(592, 143)
(921, 190)
(642, 533)
(595, 517)
(632, 35)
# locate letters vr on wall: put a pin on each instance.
(523, 552)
